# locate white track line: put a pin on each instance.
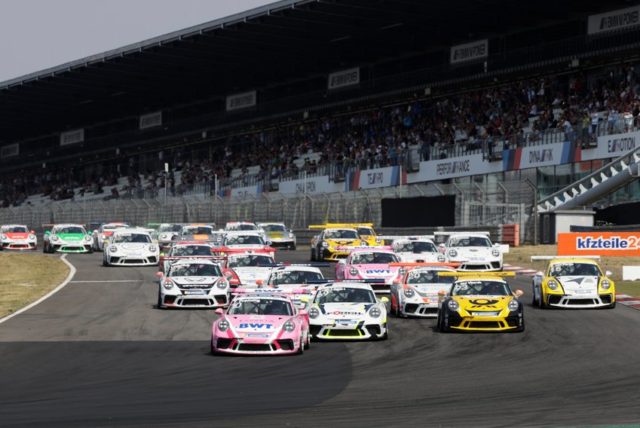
(115, 280)
(72, 272)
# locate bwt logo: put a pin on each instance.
(538, 156)
(257, 326)
(600, 243)
(378, 271)
(375, 177)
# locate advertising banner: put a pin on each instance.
(72, 137)
(375, 178)
(620, 244)
(150, 120)
(310, 185)
(10, 150)
(241, 101)
(244, 192)
(543, 155)
(472, 51)
(621, 19)
(441, 169)
(343, 78)
(613, 146)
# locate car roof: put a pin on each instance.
(68, 225)
(130, 231)
(481, 277)
(348, 284)
(297, 269)
(194, 261)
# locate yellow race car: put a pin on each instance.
(480, 301)
(573, 282)
(334, 243)
(365, 231)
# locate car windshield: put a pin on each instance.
(15, 229)
(191, 250)
(244, 240)
(70, 229)
(197, 230)
(294, 277)
(365, 231)
(574, 269)
(260, 306)
(344, 295)
(250, 260)
(416, 247)
(373, 258)
(196, 269)
(241, 227)
(480, 288)
(469, 241)
(340, 234)
(170, 228)
(428, 277)
(274, 228)
(137, 238)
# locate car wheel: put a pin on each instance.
(212, 349)
(612, 306)
(159, 305)
(313, 255)
(301, 346)
(308, 344)
(385, 336)
(520, 329)
(534, 300)
(541, 303)
(44, 248)
(444, 323)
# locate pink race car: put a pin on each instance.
(370, 265)
(260, 322)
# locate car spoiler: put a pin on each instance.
(537, 258)
(477, 274)
(425, 264)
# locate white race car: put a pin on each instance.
(249, 269)
(131, 247)
(17, 237)
(195, 283)
(245, 226)
(347, 310)
(278, 235)
(298, 281)
(420, 290)
(474, 251)
(102, 235)
(244, 240)
(421, 250)
(167, 233)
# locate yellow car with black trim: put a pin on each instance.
(481, 301)
(365, 231)
(334, 243)
(573, 282)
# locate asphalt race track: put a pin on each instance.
(99, 353)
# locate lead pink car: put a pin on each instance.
(370, 265)
(260, 322)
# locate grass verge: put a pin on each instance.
(521, 256)
(27, 277)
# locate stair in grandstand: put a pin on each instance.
(595, 186)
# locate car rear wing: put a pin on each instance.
(317, 264)
(425, 264)
(391, 238)
(538, 258)
(477, 274)
(363, 247)
(442, 236)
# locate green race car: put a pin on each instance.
(67, 238)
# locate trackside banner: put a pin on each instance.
(599, 244)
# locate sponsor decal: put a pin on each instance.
(541, 155)
(374, 271)
(257, 326)
(599, 244)
(375, 178)
(345, 313)
(482, 303)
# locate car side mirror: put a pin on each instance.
(384, 300)
(268, 243)
(608, 273)
(539, 273)
(397, 282)
(32, 232)
(519, 293)
(219, 311)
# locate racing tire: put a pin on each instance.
(313, 255)
(159, 304)
(301, 347)
(541, 303)
(104, 262)
(611, 306)
(308, 342)
(90, 250)
(44, 249)
(444, 324)
(292, 248)
(534, 301)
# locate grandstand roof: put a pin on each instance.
(284, 41)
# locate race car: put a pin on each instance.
(298, 281)
(371, 264)
(348, 310)
(199, 232)
(242, 240)
(167, 234)
(131, 247)
(278, 235)
(245, 226)
(334, 243)
(17, 237)
(248, 269)
(417, 249)
(419, 290)
(260, 323)
(186, 250)
(364, 230)
(102, 234)
(67, 238)
(481, 301)
(474, 251)
(193, 283)
(573, 282)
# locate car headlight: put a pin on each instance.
(88, 238)
(552, 284)
(53, 238)
(168, 284)
(223, 325)
(513, 305)
(223, 284)
(325, 244)
(605, 284)
(164, 236)
(4, 237)
(441, 258)
(495, 252)
(32, 237)
(409, 292)
(314, 312)
(353, 271)
(153, 248)
(289, 326)
(375, 312)
(113, 249)
(453, 253)
(453, 305)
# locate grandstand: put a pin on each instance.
(289, 106)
